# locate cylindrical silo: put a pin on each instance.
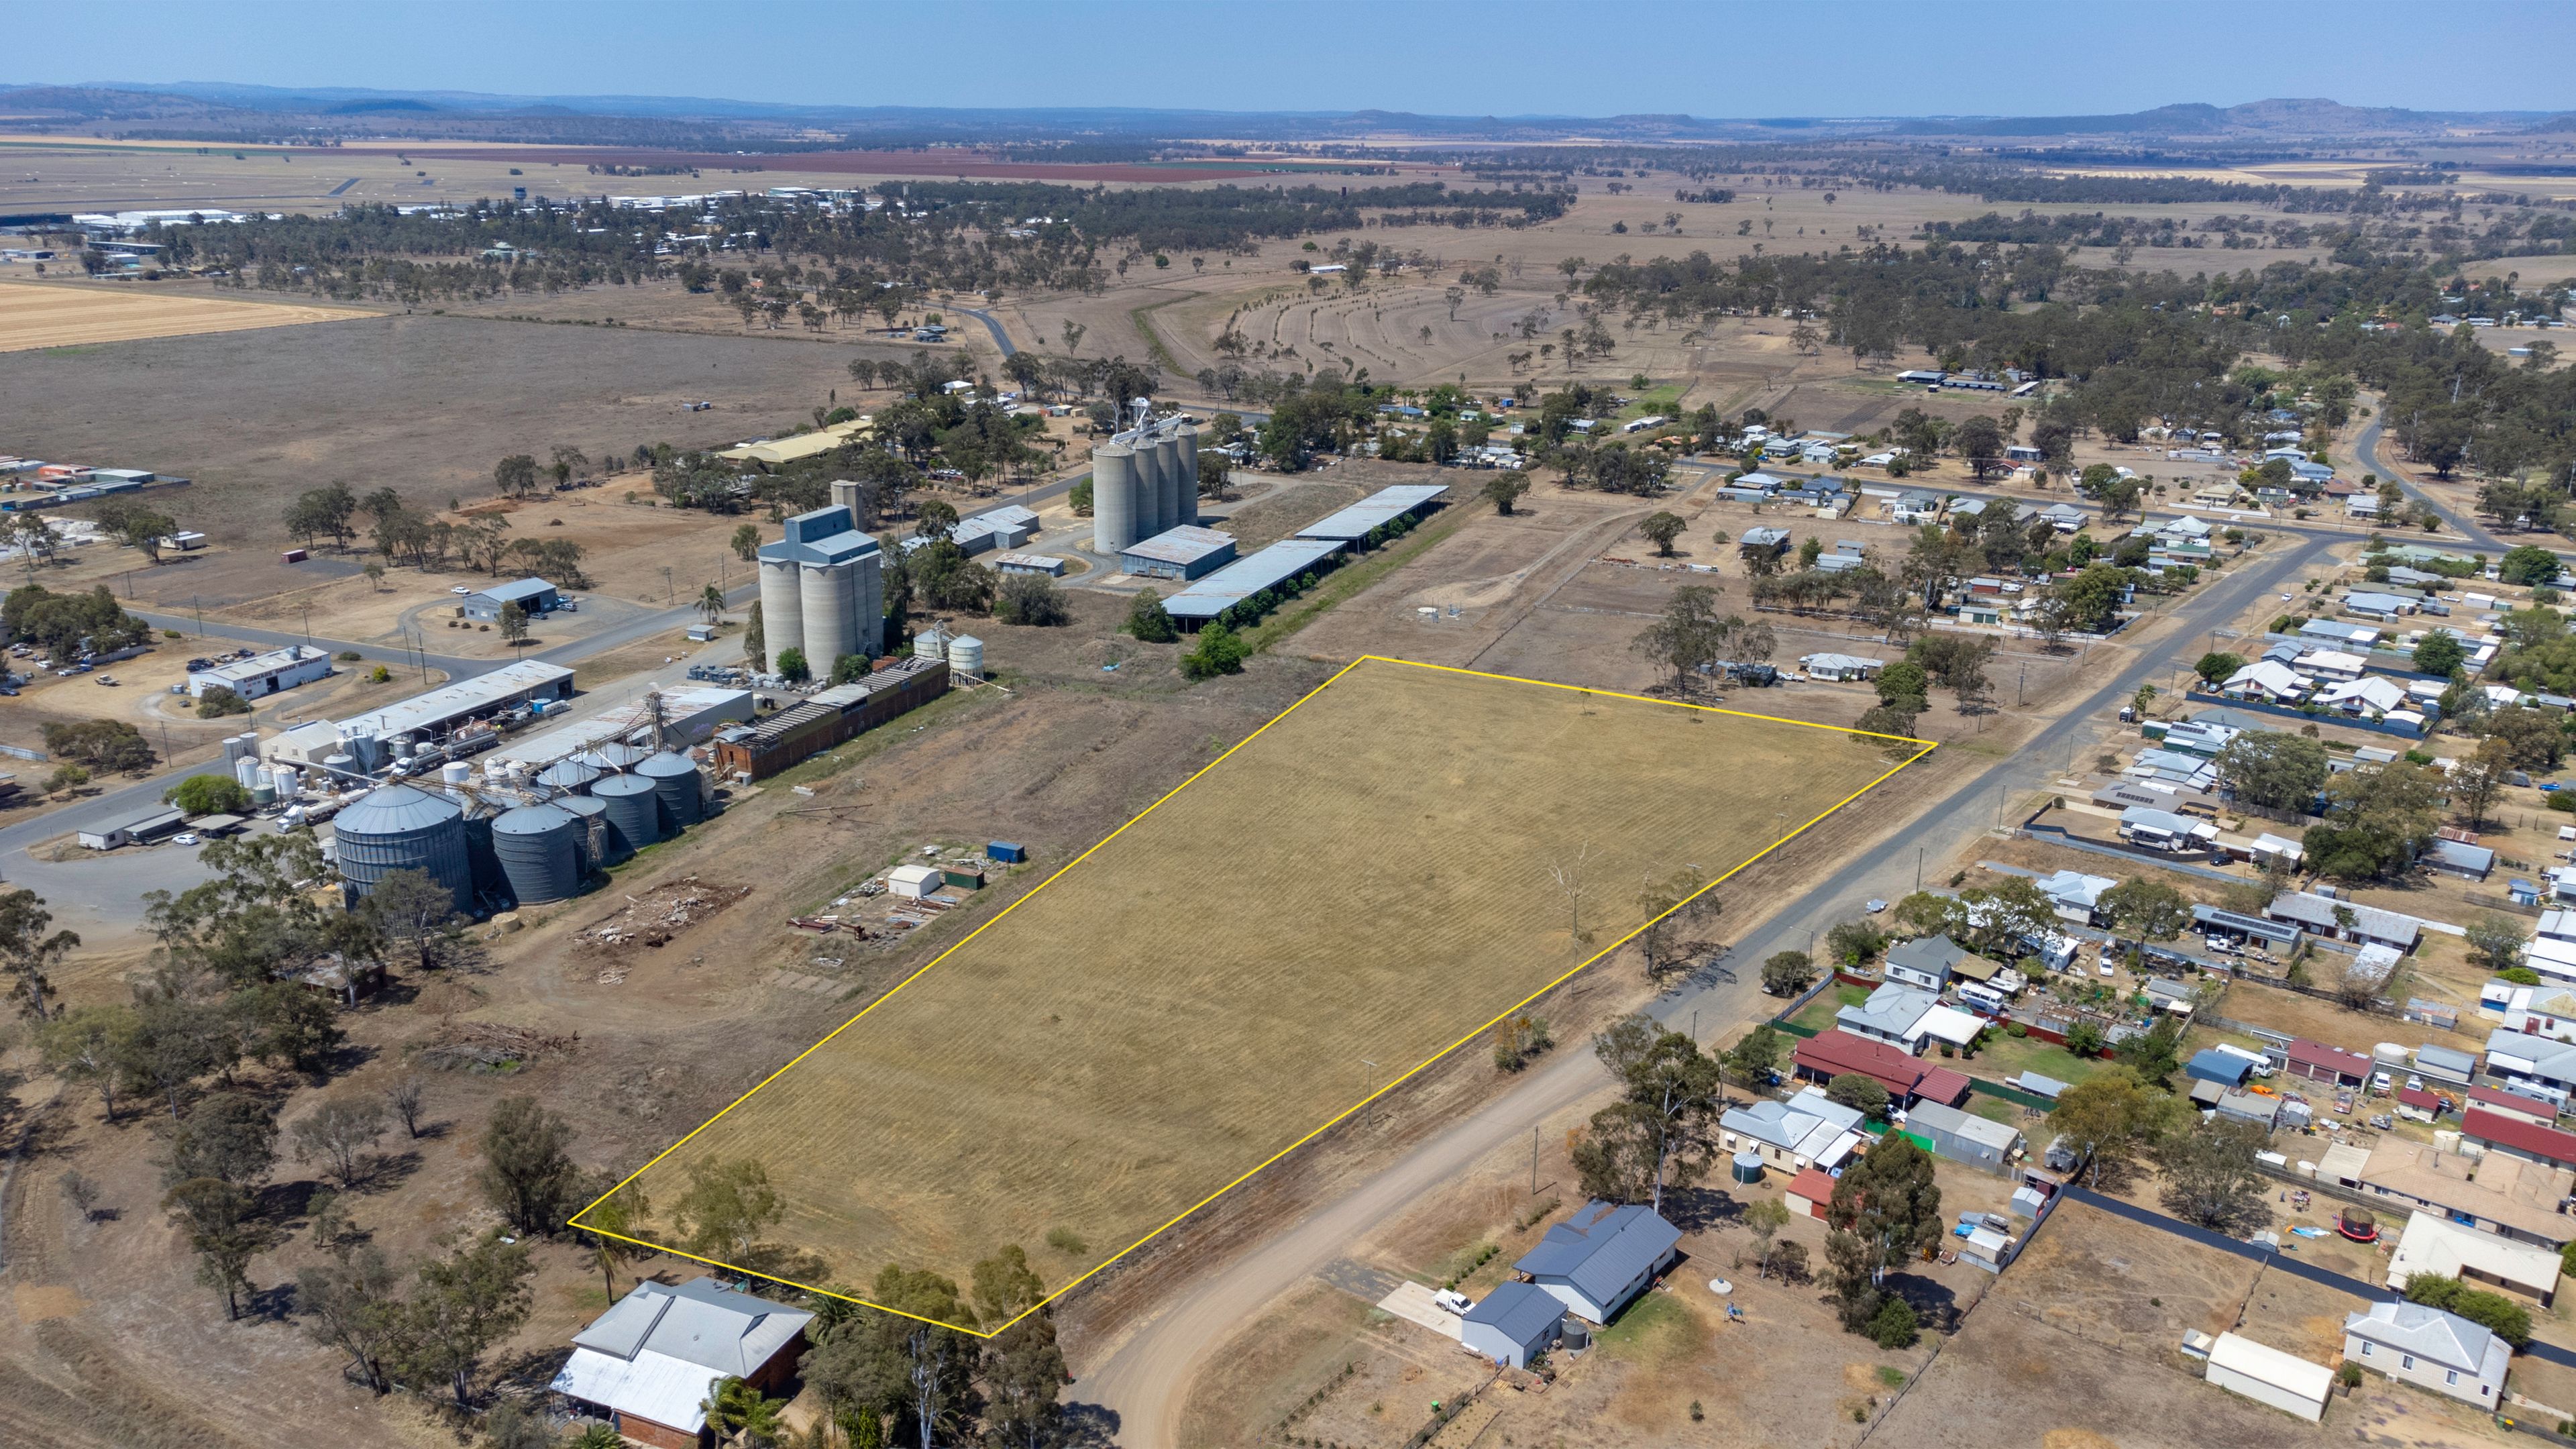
(1189, 463)
(1113, 498)
(455, 773)
(830, 601)
(337, 770)
(479, 859)
(682, 789)
(570, 774)
(290, 782)
(245, 769)
(634, 815)
(599, 845)
(400, 828)
(966, 656)
(234, 748)
(782, 608)
(1153, 486)
(539, 850)
(612, 755)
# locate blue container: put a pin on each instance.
(1006, 852)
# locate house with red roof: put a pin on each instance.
(1837, 1053)
(2520, 1137)
(2331, 1065)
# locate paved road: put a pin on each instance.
(2370, 447)
(1142, 1380)
(1001, 339)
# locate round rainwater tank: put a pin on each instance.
(2388, 1054)
(401, 828)
(831, 615)
(599, 844)
(682, 789)
(1113, 498)
(1746, 1168)
(539, 847)
(782, 608)
(634, 815)
(245, 770)
(571, 775)
(263, 796)
(966, 656)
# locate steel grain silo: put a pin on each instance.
(400, 828)
(634, 813)
(539, 850)
(599, 846)
(681, 788)
(571, 774)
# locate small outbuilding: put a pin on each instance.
(1515, 1323)
(2212, 1065)
(2266, 1375)
(915, 881)
(1964, 1137)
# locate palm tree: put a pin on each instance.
(597, 1436)
(712, 603)
(736, 1408)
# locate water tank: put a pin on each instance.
(634, 815)
(245, 768)
(831, 609)
(782, 609)
(571, 775)
(966, 656)
(2388, 1054)
(599, 845)
(456, 772)
(236, 746)
(1153, 486)
(682, 789)
(1113, 498)
(402, 828)
(1746, 1168)
(539, 847)
(262, 796)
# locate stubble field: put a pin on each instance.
(35, 315)
(1362, 886)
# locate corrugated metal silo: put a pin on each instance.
(486, 867)
(600, 847)
(634, 813)
(400, 828)
(569, 774)
(682, 789)
(539, 850)
(1113, 498)
(611, 755)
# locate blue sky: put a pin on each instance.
(1497, 57)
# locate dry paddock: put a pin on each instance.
(1360, 887)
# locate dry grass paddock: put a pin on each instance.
(34, 316)
(1364, 884)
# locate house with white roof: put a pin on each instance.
(2164, 830)
(2429, 1348)
(2075, 894)
(2533, 1065)
(2269, 681)
(1905, 1017)
(2371, 698)
(2335, 664)
(649, 1364)
(1808, 1130)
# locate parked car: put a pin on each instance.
(184, 837)
(1452, 1301)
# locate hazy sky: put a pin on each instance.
(1493, 57)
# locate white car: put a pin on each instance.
(1874, 906)
(185, 837)
(469, 588)
(1450, 1300)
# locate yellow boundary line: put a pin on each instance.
(1338, 1118)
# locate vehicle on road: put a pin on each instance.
(184, 837)
(1874, 906)
(107, 679)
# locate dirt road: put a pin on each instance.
(1146, 1376)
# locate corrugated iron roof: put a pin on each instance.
(396, 810)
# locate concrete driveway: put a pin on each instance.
(1412, 1303)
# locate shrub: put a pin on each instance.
(1149, 621)
(379, 675)
(1032, 600)
(218, 701)
(1895, 1326)
(1220, 651)
(348, 656)
(2350, 1374)
(209, 795)
(2563, 800)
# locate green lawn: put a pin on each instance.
(1819, 1013)
(1656, 1329)
(1662, 401)
(2005, 1056)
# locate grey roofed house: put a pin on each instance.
(656, 1356)
(1798, 1132)
(1597, 1260)
(1925, 960)
(2412, 1341)
(2317, 913)
(1513, 1322)
(1891, 1011)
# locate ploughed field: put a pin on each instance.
(1367, 883)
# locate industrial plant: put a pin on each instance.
(822, 587)
(1144, 481)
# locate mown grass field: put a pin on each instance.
(1360, 887)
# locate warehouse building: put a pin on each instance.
(822, 587)
(1185, 552)
(690, 713)
(1355, 523)
(533, 596)
(440, 711)
(263, 675)
(900, 685)
(1240, 580)
(1006, 527)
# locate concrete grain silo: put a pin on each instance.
(1153, 483)
(822, 589)
(1187, 458)
(782, 605)
(1114, 525)
(830, 606)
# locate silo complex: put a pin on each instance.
(634, 813)
(680, 788)
(399, 828)
(1144, 481)
(822, 590)
(539, 847)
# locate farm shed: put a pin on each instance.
(1213, 595)
(2251, 1107)
(138, 831)
(1516, 1322)
(2212, 1065)
(650, 1363)
(1379, 509)
(1185, 552)
(533, 596)
(915, 881)
(2431, 1349)
(2447, 1249)
(897, 686)
(1964, 1137)
(2268, 1376)
(1603, 1256)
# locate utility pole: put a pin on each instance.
(1533, 1159)
(1918, 867)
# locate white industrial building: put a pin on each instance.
(2266, 1375)
(689, 714)
(1144, 481)
(427, 717)
(265, 674)
(822, 587)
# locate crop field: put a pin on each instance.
(33, 316)
(1362, 886)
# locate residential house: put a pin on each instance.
(1841, 666)
(2374, 605)
(1807, 1132)
(2357, 636)
(1514, 1324)
(1848, 554)
(2212, 921)
(2269, 1376)
(2335, 664)
(1602, 1257)
(1759, 541)
(2205, 738)
(2508, 1197)
(2371, 698)
(2164, 830)
(2064, 517)
(1965, 1137)
(2513, 1135)
(2319, 914)
(2077, 896)
(1838, 1053)
(1904, 1017)
(1924, 961)
(2536, 1066)
(2331, 1065)
(2174, 768)
(1915, 505)
(2445, 1249)
(650, 1362)
(2431, 1349)
(2459, 858)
